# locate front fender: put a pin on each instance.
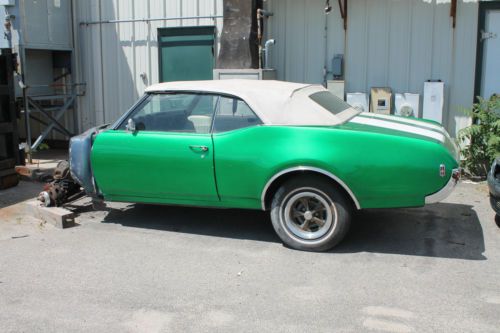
(80, 147)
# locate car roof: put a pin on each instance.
(275, 102)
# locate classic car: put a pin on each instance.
(494, 187)
(295, 150)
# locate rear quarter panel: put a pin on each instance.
(381, 170)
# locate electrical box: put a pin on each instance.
(338, 66)
(358, 101)
(381, 100)
(433, 101)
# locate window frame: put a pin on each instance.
(236, 129)
(142, 101)
(139, 104)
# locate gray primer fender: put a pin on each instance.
(80, 147)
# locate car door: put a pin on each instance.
(167, 158)
(239, 144)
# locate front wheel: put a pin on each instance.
(309, 213)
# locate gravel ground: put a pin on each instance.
(138, 268)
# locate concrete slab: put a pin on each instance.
(22, 192)
(139, 268)
(57, 216)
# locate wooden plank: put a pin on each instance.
(57, 216)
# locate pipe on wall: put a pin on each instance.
(150, 19)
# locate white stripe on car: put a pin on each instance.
(398, 127)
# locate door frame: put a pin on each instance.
(483, 8)
(182, 31)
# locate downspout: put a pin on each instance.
(328, 9)
(102, 65)
(269, 42)
(259, 35)
(325, 66)
(75, 68)
(261, 14)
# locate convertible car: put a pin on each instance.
(292, 149)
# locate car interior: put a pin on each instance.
(192, 113)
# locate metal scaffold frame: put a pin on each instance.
(52, 113)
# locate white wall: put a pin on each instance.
(394, 43)
(112, 57)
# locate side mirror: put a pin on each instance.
(130, 125)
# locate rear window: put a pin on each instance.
(329, 101)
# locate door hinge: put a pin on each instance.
(487, 35)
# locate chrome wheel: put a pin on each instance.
(308, 214)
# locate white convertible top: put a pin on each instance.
(275, 102)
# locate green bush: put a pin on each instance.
(482, 138)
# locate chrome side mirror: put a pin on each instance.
(130, 125)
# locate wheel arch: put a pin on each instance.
(281, 177)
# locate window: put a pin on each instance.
(233, 113)
(329, 101)
(177, 112)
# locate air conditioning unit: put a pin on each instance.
(433, 101)
(407, 104)
(358, 101)
(381, 99)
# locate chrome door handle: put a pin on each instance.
(199, 148)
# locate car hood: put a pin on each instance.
(402, 126)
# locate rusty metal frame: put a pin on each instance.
(343, 11)
(53, 120)
(453, 12)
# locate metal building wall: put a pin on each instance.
(119, 60)
(40, 27)
(394, 43)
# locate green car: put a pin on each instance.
(292, 149)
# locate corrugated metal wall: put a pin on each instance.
(394, 43)
(119, 60)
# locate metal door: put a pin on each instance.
(186, 53)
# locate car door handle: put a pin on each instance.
(199, 148)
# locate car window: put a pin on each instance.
(329, 101)
(234, 113)
(179, 112)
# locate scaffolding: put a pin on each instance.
(52, 107)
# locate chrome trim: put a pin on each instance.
(446, 190)
(305, 168)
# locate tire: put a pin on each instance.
(310, 214)
(497, 220)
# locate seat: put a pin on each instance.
(201, 123)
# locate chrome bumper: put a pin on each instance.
(446, 190)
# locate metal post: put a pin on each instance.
(75, 109)
(27, 125)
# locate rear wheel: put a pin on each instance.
(309, 213)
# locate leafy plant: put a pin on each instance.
(482, 138)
